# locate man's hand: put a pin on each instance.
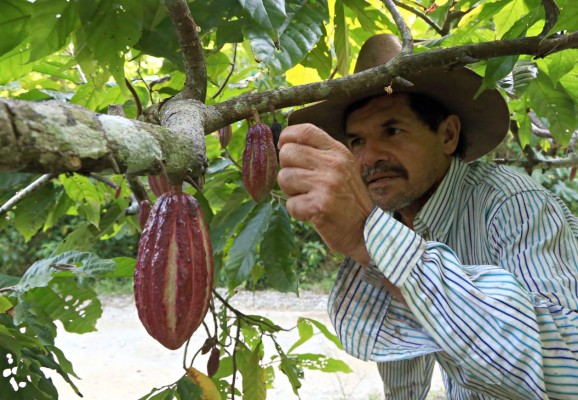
(324, 185)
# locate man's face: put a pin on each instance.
(401, 160)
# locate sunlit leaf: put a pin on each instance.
(50, 26)
(85, 195)
(14, 23)
(32, 210)
(341, 37)
(554, 104)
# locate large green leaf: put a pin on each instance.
(78, 308)
(224, 224)
(254, 376)
(560, 63)
(322, 363)
(507, 17)
(50, 26)
(32, 210)
(269, 15)
(14, 20)
(554, 104)
(320, 58)
(76, 263)
(341, 39)
(87, 198)
(14, 64)
(277, 250)
(242, 256)
(300, 33)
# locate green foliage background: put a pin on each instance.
(77, 230)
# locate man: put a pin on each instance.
(470, 265)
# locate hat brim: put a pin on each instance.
(485, 119)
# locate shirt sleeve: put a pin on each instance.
(507, 330)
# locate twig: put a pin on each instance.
(140, 193)
(237, 339)
(230, 73)
(21, 195)
(552, 12)
(421, 15)
(112, 184)
(193, 57)
(135, 96)
(407, 39)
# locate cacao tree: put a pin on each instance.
(98, 95)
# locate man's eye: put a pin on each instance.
(391, 131)
(353, 142)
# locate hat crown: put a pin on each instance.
(377, 50)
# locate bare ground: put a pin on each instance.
(120, 360)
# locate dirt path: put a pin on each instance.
(120, 360)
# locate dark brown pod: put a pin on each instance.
(225, 136)
(213, 362)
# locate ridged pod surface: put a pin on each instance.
(173, 278)
(259, 162)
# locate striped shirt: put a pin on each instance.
(490, 277)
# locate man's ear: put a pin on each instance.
(451, 133)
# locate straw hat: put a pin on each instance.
(485, 120)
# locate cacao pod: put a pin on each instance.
(213, 362)
(144, 210)
(276, 129)
(259, 162)
(225, 136)
(159, 184)
(173, 277)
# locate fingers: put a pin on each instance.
(309, 135)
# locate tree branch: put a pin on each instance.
(55, 137)
(407, 39)
(193, 57)
(421, 15)
(541, 163)
(21, 195)
(233, 110)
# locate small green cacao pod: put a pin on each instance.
(259, 162)
(173, 277)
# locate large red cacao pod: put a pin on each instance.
(259, 161)
(173, 277)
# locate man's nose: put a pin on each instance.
(372, 153)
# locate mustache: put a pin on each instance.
(383, 167)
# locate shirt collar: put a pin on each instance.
(437, 214)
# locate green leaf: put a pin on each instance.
(264, 324)
(276, 251)
(224, 224)
(72, 263)
(513, 11)
(341, 38)
(14, 64)
(187, 390)
(322, 363)
(561, 63)
(254, 376)
(50, 26)
(305, 333)
(290, 367)
(14, 20)
(32, 210)
(5, 304)
(269, 15)
(554, 104)
(320, 58)
(87, 198)
(124, 268)
(242, 256)
(323, 329)
(496, 69)
(301, 32)
(78, 308)
(59, 208)
(163, 394)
